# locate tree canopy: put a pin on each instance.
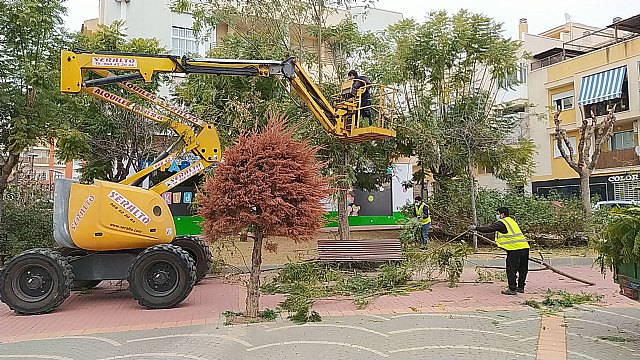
(31, 36)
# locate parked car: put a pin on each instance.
(614, 204)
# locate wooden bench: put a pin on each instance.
(372, 250)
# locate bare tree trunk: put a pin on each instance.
(320, 12)
(585, 192)
(7, 168)
(422, 182)
(343, 216)
(253, 289)
(474, 210)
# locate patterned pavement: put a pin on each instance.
(472, 321)
(478, 335)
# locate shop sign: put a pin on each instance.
(627, 177)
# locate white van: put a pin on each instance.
(614, 204)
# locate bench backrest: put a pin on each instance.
(360, 250)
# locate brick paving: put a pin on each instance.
(552, 342)
(600, 333)
(108, 308)
(478, 335)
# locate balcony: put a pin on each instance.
(617, 158)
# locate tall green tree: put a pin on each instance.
(109, 139)
(31, 36)
(276, 30)
(450, 69)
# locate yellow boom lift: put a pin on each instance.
(114, 231)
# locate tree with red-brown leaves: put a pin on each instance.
(271, 183)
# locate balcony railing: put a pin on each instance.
(617, 158)
(548, 61)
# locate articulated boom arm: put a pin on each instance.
(342, 118)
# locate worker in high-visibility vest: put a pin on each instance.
(510, 237)
(421, 211)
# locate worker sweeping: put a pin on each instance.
(510, 237)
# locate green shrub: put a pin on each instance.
(552, 221)
(620, 240)
(27, 221)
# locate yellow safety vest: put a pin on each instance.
(513, 239)
(420, 212)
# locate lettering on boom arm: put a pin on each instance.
(155, 99)
(127, 104)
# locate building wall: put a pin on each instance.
(39, 164)
(149, 19)
(371, 19)
(567, 76)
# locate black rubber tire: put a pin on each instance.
(78, 284)
(170, 257)
(199, 252)
(59, 276)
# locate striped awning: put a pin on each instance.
(602, 86)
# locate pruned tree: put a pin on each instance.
(271, 183)
(585, 159)
(274, 29)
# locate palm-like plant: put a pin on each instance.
(620, 242)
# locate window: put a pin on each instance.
(183, 41)
(622, 140)
(562, 101)
(556, 151)
(509, 81)
(622, 103)
(522, 73)
(484, 170)
(627, 190)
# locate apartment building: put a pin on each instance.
(151, 19)
(40, 165)
(590, 71)
(535, 51)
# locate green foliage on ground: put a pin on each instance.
(555, 301)
(306, 282)
(28, 219)
(450, 260)
(265, 315)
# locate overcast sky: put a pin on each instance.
(541, 14)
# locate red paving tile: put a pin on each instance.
(104, 308)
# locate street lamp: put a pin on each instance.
(51, 183)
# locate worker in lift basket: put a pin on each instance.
(360, 81)
(510, 237)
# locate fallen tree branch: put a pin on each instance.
(560, 272)
(502, 268)
(550, 267)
